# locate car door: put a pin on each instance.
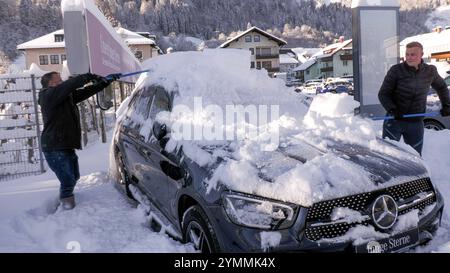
(128, 130)
(142, 171)
(155, 179)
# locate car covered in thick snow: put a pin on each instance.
(326, 182)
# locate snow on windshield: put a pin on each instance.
(301, 163)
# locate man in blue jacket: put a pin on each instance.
(404, 91)
(62, 131)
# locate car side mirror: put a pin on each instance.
(159, 130)
(105, 98)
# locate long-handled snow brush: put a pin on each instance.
(117, 76)
(110, 76)
(429, 114)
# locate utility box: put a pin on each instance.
(375, 50)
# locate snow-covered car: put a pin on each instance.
(438, 122)
(329, 184)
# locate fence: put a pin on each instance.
(21, 124)
(20, 127)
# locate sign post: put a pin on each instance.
(92, 44)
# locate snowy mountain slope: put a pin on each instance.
(439, 17)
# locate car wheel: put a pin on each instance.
(432, 124)
(198, 230)
(124, 179)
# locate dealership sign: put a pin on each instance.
(92, 44)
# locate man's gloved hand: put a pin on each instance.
(89, 77)
(395, 113)
(445, 112)
(113, 77)
(102, 82)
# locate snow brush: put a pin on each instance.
(110, 76)
(429, 114)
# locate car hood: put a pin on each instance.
(302, 173)
(381, 167)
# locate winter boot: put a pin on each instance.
(68, 203)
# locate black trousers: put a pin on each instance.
(412, 132)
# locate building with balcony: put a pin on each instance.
(436, 45)
(264, 48)
(336, 60)
(48, 51)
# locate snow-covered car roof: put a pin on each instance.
(309, 163)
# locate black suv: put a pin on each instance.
(214, 221)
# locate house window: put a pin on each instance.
(267, 64)
(59, 38)
(248, 39)
(54, 59)
(138, 55)
(263, 51)
(257, 38)
(63, 57)
(258, 65)
(307, 72)
(43, 59)
(252, 50)
(252, 64)
(345, 63)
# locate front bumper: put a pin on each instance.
(234, 238)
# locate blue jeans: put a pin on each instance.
(412, 132)
(64, 164)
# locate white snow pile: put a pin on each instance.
(103, 220)
(290, 156)
(270, 239)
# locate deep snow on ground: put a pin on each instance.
(103, 220)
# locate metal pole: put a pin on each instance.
(102, 125)
(83, 123)
(114, 97)
(36, 115)
(122, 95)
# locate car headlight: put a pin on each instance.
(258, 212)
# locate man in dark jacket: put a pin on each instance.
(404, 91)
(62, 131)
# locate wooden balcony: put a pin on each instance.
(267, 56)
(326, 69)
(346, 57)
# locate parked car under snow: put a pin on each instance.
(329, 184)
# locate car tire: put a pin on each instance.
(124, 178)
(432, 124)
(198, 230)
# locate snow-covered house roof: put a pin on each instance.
(46, 41)
(433, 42)
(304, 54)
(133, 38)
(256, 29)
(49, 41)
(305, 65)
(287, 59)
(332, 49)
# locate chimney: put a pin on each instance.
(341, 39)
